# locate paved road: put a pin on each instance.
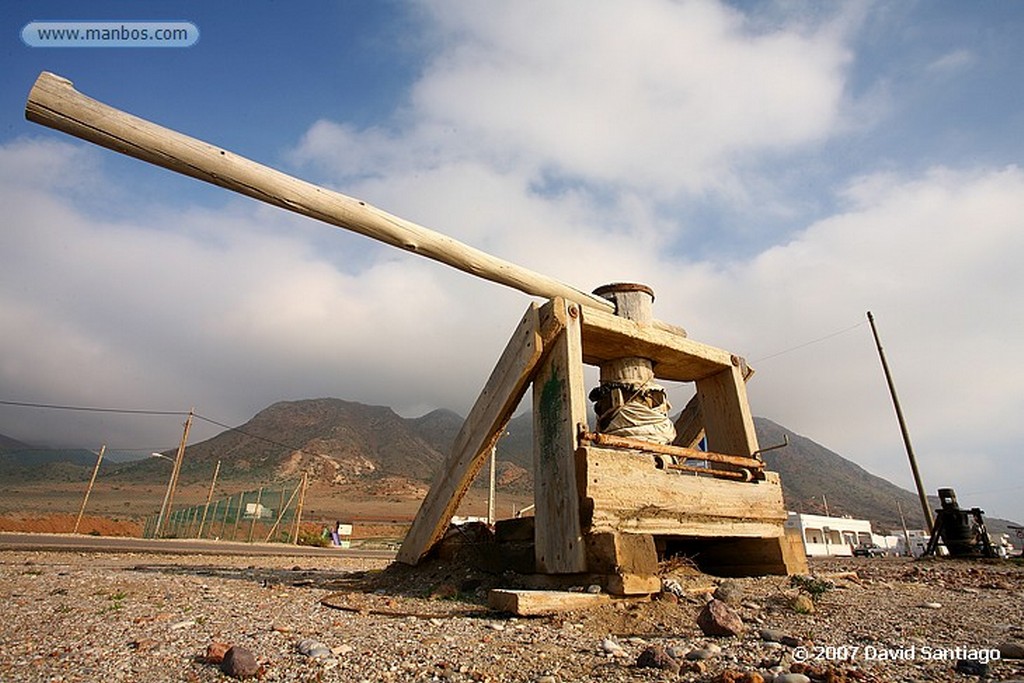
(22, 541)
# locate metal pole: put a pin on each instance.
(88, 490)
(216, 471)
(903, 429)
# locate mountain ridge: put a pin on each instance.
(347, 443)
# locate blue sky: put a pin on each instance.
(772, 169)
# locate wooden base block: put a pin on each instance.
(529, 603)
(632, 584)
(615, 553)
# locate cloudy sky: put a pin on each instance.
(773, 170)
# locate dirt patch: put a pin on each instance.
(64, 524)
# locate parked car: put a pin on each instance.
(869, 550)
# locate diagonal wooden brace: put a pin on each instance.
(490, 414)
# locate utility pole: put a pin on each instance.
(88, 490)
(177, 468)
(202, 522)
(903, 428)
(824, 502)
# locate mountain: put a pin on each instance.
(9, 444)
(344, 443)
(810, 471)
(21, 462)
(337, 442)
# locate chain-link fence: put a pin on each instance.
(266, 514)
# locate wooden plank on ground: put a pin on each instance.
(488, 417)
(624, 492)
(559, 409)
(607, 337)
(530, 603)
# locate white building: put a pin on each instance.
(836, 536)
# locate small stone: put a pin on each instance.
(771, 635)
(655, 657)
(495, 626)
(546, 679)
(183, 624)
(732, 676)
(239, 663)
(670, 598)
(700, 655)
(1011, 651)
(791, 678)
(729, 592)
(144, 644)
(932, 605)
(692, 667)
(313, 648)
(791, 641)
(803, 604)
(676, 652)
(611, 647)
(593, 589)
(718, 619)
(215, 652)
(972, 667)
(342, 650)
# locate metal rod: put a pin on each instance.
(903, 428)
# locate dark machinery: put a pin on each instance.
(962, 531)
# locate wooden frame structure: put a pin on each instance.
(601, 502)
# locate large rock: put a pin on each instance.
(718, 619)
(239, 663)
(655, 657)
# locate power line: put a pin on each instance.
(92, 409)
(809, 343)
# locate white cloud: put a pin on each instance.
(561, 137)
(956, 60)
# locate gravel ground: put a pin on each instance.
(130, 617)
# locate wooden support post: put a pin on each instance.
(88, 490)
(488, 417)
(727, 420)
(298, 508)
(209, 497)
(559, 410)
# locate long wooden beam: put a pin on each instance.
(55, 103)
